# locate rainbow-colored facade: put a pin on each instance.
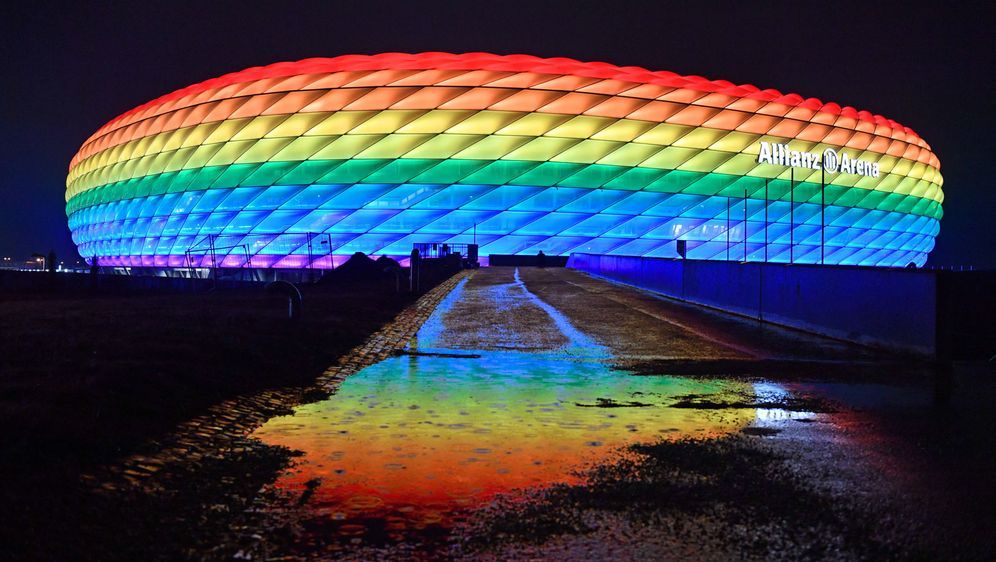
(270, 165)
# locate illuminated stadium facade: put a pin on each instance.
(302, 164)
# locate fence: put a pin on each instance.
(894, 309)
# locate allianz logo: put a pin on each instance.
(830, 161)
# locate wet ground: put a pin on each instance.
(544, 414)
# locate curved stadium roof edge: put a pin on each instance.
(375, 153)
(510, 63)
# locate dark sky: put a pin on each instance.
(70, 68)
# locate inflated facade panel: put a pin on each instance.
(516, 153)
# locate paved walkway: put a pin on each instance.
(517, 308)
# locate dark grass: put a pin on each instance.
(885, 370)
(208, 511)
(86, 379)
(798, 402)
(672, 486)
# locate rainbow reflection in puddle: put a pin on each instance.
(406, 444)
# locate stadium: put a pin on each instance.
(301, 164)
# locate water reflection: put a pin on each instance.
(408, 443)
(766, 392)
(411, 440)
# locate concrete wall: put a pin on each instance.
(890, 308)
(505, 260)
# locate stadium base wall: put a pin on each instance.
(894, 309)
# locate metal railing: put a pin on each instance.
(212, 251)
(443, 249)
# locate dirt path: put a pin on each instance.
(495, 311)
(519, 308)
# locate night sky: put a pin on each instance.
(69, 69)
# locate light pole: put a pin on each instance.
(311, 259)
(327, 242)
(727, 228)
(767, 202)
(791, 215)
(328, 235)
(745, 225)
(823, 210)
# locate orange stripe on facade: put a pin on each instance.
(480, 99)
(523, 72)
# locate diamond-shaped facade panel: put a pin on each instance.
(273, 166)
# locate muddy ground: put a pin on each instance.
(892, 459)
(86, 379)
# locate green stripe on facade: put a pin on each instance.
(497, 172)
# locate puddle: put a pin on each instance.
(414, 439)
(406, 446)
